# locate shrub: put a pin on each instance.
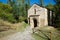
(21, 18)
(8, 17)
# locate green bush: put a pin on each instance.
(8, 17)
(22, 19)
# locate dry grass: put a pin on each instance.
(7, 28)
(4, 25)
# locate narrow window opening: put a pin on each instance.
(35, 11)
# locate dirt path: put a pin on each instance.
(26, 35)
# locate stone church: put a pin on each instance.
(39, 16)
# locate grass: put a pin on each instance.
(6, 33)
(7, 28)
(37, 37)
(45, 35)
(22, 27)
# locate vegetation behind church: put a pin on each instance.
(55, 8)
(16, 10)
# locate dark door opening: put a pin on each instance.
(35, 22)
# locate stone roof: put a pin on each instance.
(35, 5)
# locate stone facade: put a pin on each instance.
(37, 16)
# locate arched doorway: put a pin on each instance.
(35, 22)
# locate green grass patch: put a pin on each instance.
(22, 27)
(44, 34)
(38, 37)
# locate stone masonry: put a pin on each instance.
(37, 16)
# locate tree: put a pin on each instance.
(42, 3)
(23, 6)
(27, 6)
(50, 6)
(28, 3)
(6, 12)
(15, 6)
(20, 8)
(57, 13)
(10, 2)
(57, 1)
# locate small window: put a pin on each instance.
(35, 11)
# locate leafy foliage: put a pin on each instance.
(57, 13)
(6, 12)
(42, 3)
(50, 6)
(56, 9)
(14, 11)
